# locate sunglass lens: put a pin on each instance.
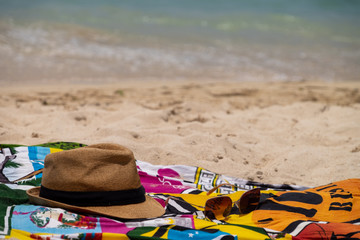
(249, 201)
(218, 207)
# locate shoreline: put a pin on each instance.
(303, 133)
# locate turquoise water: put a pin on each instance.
(110, 40)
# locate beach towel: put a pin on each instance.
(285, 211)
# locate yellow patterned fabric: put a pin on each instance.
(284, 212)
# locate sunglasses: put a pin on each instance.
(219, 208)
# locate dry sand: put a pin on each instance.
(304, 133)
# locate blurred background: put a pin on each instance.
(91, 41)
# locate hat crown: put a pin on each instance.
(96, 168)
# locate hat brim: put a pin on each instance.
(150, 208)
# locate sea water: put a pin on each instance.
(244, 40)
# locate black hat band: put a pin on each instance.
(103, 198)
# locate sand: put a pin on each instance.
(304, 133)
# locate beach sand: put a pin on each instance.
(303, 133)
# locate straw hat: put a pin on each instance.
(97, 179)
